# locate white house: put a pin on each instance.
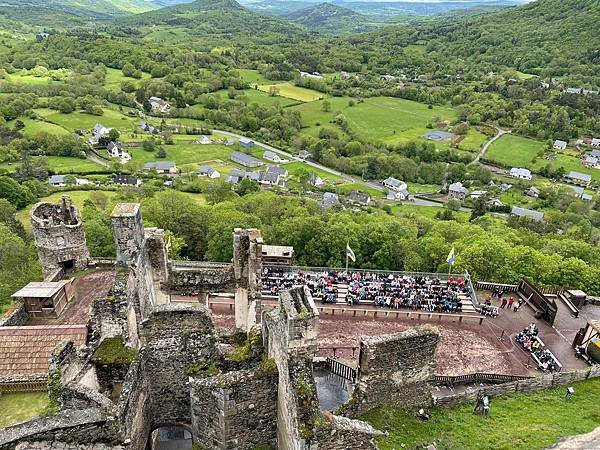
(162, 167)
(98, 132)
(532, 192)
(116, 151)
(595, 142)
(521, 173)
(158, 104)
(394, 184)
(457, 191)
(524, 212)
(476, 194)
(208, 171)
(559, 145)
(272, 156)
(60, 181)
(315, 75)
(398, 195)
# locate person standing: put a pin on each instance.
(511, 301)
(503, 303)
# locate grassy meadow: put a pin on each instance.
(289, 90)
(514, 151)
(21, 406)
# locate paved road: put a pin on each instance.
(500, 133)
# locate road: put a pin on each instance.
(90, 156)
(499, 134)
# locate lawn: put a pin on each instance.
(34, 127)
(349, 187)
(294, 92)
(21, 406)
(473, 141)
(185, 153)
(24, 78)
(64, 165)
(252, 76)
(264, 99)
(514, 151)
(516, 422)
(569, 163)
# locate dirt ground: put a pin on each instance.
(88, 287)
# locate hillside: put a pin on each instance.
(66, 13)
(211, 17)
(329, 18)
(546, 37)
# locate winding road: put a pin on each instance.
(500, 132)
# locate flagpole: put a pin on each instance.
(347, 257)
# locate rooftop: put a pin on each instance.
(125, 210)
(40, 289)
(27, 349)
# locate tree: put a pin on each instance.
(161, 152)
(70, 180)
(246, 187)
(15, 193)
(273, 91)
(218, 192)
(114, 134)
(326, 106)
(128, 70)
(480, 208)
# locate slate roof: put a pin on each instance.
(579, 176)
(246, 160)
(393, 182)
(524, 212)
(160, 165)
(26, 350)
(457, 187)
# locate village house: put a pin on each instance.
(580, 193)
(315, 180)
(524, 212)
(303, 154)
(559, 145)
(245, 160)
(159, 105)
(126, 180)
(495, 202)
(457, 191)
(315, 75)
(521, 173)
(595, 142)
(208, 171)
(98, 132)
(478, 193)
(247, 143)
(161, 167)
(394, 184)
(235, 176)
(532, 192)
(115, 150)
(358, 198)
(278, 170)
(590, 161)
(61, 181)
(272, 156)
(146, 127)
(398, 195)
(579, 178)
(330, 200)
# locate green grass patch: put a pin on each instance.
(184, 153)
(295, 167)
(21, 406)
(253, 76)
(264, 99)
(80, 120)
(514, 151)
(517, 422)
(34, 127)
(473, 141)
(569, 163)
(294, 92)
(114, 351)
(114, 77)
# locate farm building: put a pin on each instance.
(245, 160)
(272, 156)
(394, 184)
(159, 105)
(532, 192)
(358, 198)
(330, 200)
(247, 143)
(126, 180)
(579, 178)
(524, 212)
(46, 298)
(161, 167)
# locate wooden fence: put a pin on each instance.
(489, 286)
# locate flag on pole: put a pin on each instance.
(350, 253)
(450, 259)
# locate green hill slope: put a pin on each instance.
(329, 18)
(211, 17)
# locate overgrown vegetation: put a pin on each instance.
(204, 369)
(114, 351)
(22, 406)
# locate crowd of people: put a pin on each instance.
(530, 341)
(378, 289)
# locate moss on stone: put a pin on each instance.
(114, 351)
(249, 349)
(267, 368)
(204, 369)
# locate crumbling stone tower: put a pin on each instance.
(59, 237)
(247, 268)
(128, 231)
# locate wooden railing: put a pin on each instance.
(341, 369)
(489, 286)
(477, 377)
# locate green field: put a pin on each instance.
(473, 141)
(294, 92)
(114, 77)
(34, 127)
(518, 422)
(569, 163)
(21, 406)
(80, 120)
(385, 119)
(25, 78)
(252, 76)
(263, 98)
(514, 151)
(63, 165)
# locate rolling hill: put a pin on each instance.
(211, 17)
(329, 18)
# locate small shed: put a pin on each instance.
(46, 298)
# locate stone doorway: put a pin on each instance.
(67, 266)
(173, 437)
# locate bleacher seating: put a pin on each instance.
(387, 290)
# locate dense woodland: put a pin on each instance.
(481, 66)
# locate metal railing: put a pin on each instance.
(478, 377)
(340, 369)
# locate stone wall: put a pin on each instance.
(527, 385)
(108, 317)
(395, 370)
(134, 407)
(17, 317)
(344, 433)
(187, 280)
(174, 337)
(80, 426)
(59, 236)
(236, 410)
